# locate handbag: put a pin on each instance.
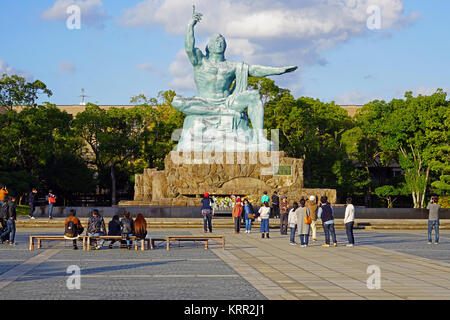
(308, 219)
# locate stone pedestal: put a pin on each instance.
(188, 175)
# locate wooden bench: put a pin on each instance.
(142, 242)
(52, 238)
(153, 240)
(194, 238)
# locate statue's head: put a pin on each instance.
(216, 44)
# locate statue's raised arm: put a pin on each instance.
(194, 54)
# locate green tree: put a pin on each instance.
(18, 182)
(388, 192)
(312, 130)
(34, 135)
(160, 120)
(17, 91)
(412, 132)
(114, 137)
(361, 143)
(68, 174)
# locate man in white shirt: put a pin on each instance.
(349, 220)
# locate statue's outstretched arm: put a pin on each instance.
(194, 54)
(261, 71)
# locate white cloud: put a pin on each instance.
(355, 97)
(66, 67)
(358, 97)
(92, 11)
(427, 91)
(269, 32)
(7, 69)
(182, 73)
(145, 67)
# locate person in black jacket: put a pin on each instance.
(275, 205)
(4, 214)
(114, 229)
(32, 197)
(11, 223)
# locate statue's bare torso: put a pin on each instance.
(214, 79)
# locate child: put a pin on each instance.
(264, 213)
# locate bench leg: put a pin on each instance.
(168, 245)
(142, 245)
(152, 244)
(39, 243)
(206, 244)
(88, 244)
(31, 243)
(223, 243)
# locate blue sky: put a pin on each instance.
(125, 48)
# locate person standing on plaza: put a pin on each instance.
(32, 198)
(326, 214)
(275, 205)
(3, 193)
(248, 215)
(349, 220)
(313, 207)
(302, 226)
(51, 198)
(264, 214)
(11, 223)
(433, 219)
(236, 214)
(292, 221)
(96, 228)
(73, 228)
(114, 229)
(284, 215)
(207, 212)
(127, 225)
(264, 198)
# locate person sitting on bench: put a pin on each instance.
(127, 225)
(114, 229)
(140, 228)
(96, 228)
(73, 228)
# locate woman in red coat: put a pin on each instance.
(236, 214)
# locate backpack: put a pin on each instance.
(71, 229)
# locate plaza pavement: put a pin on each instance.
(250, 268)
